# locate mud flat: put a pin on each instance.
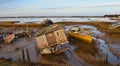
(80, 53)
(90, 52)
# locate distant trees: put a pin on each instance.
(114, 15)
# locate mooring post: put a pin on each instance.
(107, 51)
(23, 57)
(28, 54)
(27, 31)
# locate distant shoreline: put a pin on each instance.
(53, 17)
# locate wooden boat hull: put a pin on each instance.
(85, 38)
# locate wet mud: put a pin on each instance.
(23, 49)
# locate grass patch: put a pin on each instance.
(115, 30)
(102, 26)
(21, 25)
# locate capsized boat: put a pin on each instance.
(80, 34)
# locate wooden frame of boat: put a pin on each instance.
(52, 40)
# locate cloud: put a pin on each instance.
(45, 6)
(84, 6)
(45, 9)
(104, 5)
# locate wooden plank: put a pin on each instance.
(9, 38)
(51, 38)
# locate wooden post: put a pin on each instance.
(109, 35)
(28, 55)
(107, 51)
(23, 55)
(27, 31)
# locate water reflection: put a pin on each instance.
(111, 58)
(14, 51)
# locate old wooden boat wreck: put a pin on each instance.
(52, 40)
(80, 34)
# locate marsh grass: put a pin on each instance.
(102, 26)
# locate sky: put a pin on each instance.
(59, 7)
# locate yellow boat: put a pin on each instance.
(79, 36)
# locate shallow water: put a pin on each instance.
(93, 30)
(38, 20)
(14, 50)
(111, 58)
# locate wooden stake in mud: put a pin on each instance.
(27, 31)
(107, 51)
(23, 55)
(28, 55)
